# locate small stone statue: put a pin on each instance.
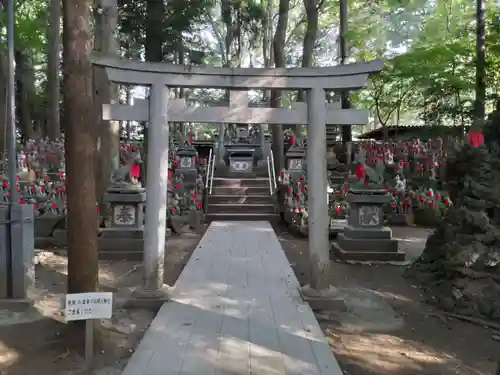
(389, 157)
(126, 177)
(400, 184)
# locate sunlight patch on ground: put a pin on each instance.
(386, 353)
(8, 356)
(391, 296)
(410, 239)
(366, 311)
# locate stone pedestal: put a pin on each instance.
(240, 152)
(337, 226)
(125, 226)
(365, 238)
(19, 266)
(46, 223)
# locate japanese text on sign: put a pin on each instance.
(83, 306)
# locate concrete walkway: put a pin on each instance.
(235, 310)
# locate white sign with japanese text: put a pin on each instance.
(84, 306)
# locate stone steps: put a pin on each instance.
(241, 198)
(236, 208)
(273, 218)
(242, 190)
(222, 170)
(241, 182)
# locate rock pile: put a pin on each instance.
(460, 266)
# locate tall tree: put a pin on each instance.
(480, 63)
(312, 9)
(108, 132)
(346, 130)
(279, 61)
(79, 125)
(53, 66)
(154, 30)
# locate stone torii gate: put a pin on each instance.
(236, 111)
(160, 76)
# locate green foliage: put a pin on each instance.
(430, 73)
(182, 17)
(30, 23)
(428, 46)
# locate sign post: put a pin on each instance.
(88, 307)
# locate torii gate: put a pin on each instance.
(160, 110)
(236, 112)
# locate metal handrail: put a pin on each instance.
(213, 169)
(208, 169)
(273, 170)
(269, 167)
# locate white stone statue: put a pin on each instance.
(400, 184)
(389, 157)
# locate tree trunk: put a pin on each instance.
(154, 30)
(279, 60)
(53, 66)
(33, 107)
(108, 132)
(312, 14)
(346, 130)
(3, 100)
(180, 54)
(154, 52)
(128, 124)
(23, 96)
(79, 126)
(480, 63)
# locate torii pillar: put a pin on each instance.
(156, 188)
(317, 188)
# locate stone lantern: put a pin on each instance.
(186, 164)
(295, 161)
(365, 238)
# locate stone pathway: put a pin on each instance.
(235, 310)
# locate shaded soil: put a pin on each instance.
(429, 342)
(36, 342)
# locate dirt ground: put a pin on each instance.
(407, 337)
(425, 342)
(32, 343)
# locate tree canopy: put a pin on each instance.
(428, 47)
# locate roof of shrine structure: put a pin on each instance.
(341, 77)
(411, 131)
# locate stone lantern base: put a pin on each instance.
(125, 228)
(365, 238)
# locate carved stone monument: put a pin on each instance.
(365, 237)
